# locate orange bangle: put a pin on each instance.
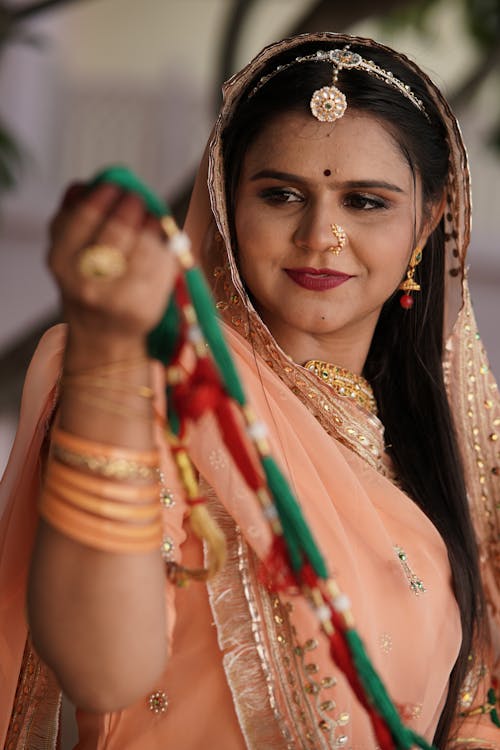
(97, 533)
(111, 509)
(90, 447)
(104, 488)
(110, 527)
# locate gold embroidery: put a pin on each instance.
(34, 723)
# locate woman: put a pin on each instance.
(335, 238)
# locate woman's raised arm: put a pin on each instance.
(97, 617)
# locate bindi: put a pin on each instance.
(327, 172)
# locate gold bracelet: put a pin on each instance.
(143, 391)
(113, 368)
(122, 469)
(112, 407)
(105, 488)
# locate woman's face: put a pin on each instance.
(298, 178)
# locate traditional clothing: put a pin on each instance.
(249, 668)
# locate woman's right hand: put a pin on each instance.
(106, 313)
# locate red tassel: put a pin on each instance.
(235, 442)
(381, 731)
(275, 572)
(181, 292)
(200, 393)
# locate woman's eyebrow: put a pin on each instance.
(276, 175)
(366, 184)
(348, 184)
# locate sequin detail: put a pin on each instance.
(158, 702)
(416, 585)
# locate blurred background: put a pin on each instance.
(85, 83)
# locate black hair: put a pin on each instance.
(404, 363)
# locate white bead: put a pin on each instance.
(194, 334)
(180, 243)
(323, 613)
(270, 512)
(341, 603)
(257, 431)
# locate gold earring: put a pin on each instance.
(341, 237)
(409, 284)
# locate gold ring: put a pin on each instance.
(102, 262)
(341, 237)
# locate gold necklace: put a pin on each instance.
(345, 383)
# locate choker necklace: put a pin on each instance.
(345, 383)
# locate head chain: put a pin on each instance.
(335, 99)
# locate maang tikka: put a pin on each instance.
(329, 103)
(409, 284)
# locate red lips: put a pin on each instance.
(317, 279)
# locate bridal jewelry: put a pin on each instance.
(102, 262)
(341, 238)
(329, 103)
(409, 284)
(345, 383)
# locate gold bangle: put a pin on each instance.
(92, 447)
(143, 391)
(113, 368)
(104, 488)
(112, 407)
(122, 469)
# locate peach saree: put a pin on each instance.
(249, 668)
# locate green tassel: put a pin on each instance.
(124, 178)
(492, 700)
(377, 695)
(295, 529)
(208, 320)
(172, 415)
(162, 340)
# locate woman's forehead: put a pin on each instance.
(358, 142)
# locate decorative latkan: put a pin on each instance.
(212, 385)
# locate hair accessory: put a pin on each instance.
(102, 262)
(341, 237)
(329, 103)
(409, 284)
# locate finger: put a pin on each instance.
(87, 217)
(151, 256)
(73, 193)
(123, 223)
(152, 224)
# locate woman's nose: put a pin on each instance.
(318, 231)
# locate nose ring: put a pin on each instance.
(341, 238)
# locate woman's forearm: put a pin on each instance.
(97, 617)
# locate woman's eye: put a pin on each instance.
(364, 202)
(280, 195)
